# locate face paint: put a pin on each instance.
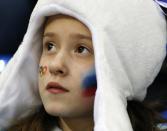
(42, 70)
(89, 84)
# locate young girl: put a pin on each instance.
(70, 43)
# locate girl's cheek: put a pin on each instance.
(43, 70)
(89, 84)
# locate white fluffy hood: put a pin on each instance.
(129, 39)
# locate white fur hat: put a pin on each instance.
(129, 39)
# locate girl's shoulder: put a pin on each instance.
(55, 129)
(162, 126)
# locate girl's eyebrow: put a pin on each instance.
(80, 36)
(48, 34)
(75, 36)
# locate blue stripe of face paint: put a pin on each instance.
(89, 80)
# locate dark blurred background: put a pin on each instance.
(158, 89)
(14, 18)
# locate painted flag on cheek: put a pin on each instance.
(89, 84)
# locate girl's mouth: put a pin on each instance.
(55, 88)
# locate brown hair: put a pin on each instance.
(39, 121)
(144, 116)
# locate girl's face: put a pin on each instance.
(66, 60)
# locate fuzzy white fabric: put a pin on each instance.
(129, 40)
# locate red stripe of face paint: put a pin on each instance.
(89, 92)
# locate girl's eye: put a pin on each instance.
(82, 50)
(50, 46)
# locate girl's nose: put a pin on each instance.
(58, 66)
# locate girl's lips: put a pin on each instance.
(55, 88)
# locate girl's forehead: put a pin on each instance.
(58, 17)
(63, 17)
(66, 24)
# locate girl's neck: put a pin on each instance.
(76, 124)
